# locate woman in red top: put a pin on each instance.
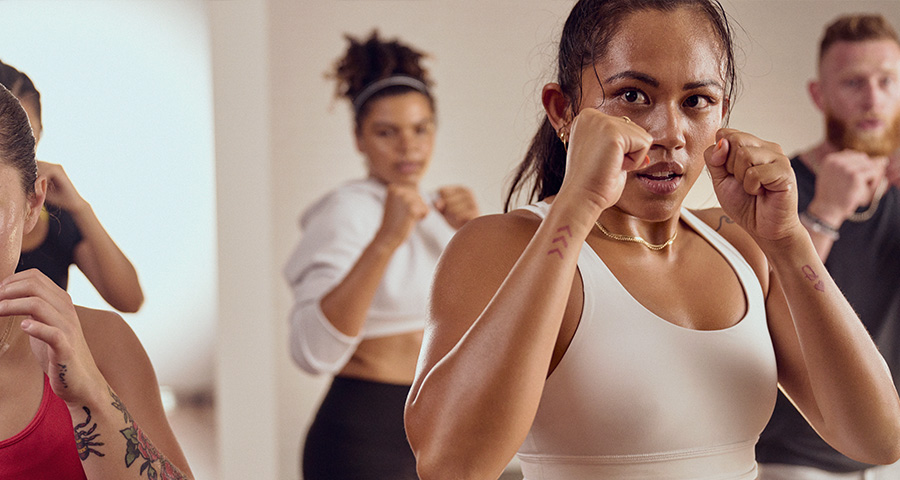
(63, 368)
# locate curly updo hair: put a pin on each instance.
(373, 59)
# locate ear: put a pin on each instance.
(815, 92)
(357, 139)
(726, 104)
(35, 203)
(556, 105)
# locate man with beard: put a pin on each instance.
(849, 189)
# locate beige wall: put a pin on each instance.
(281, 142)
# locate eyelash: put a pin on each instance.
(622, 93)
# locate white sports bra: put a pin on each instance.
(638, 397)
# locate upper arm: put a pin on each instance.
(124, 363)
(469, 273)
(336, 230)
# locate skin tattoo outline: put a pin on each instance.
(562, 239)
(86, 439)
(813, 277)
(62, 374)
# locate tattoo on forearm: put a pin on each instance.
(62, 374)
(139, 448)
(813, 277)
(86, 439)
(723, 220)
(560, 243)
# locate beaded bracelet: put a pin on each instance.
(818, 225)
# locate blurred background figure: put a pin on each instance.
(362, 271)
(68, 232)
(849, 200)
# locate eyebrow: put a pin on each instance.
(643, 77)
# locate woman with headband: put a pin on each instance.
(362, 271)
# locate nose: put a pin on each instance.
(666, 124)
(406, 141)
(871, 95)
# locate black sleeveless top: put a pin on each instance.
(54, 256)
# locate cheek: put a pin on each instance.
(10, 242)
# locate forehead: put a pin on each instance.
(859, 58)
(678, 45)
(403, 109)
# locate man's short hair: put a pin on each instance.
(857, 28)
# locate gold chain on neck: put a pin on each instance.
(636, 239)
(873, 207)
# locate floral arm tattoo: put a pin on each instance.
(139, 449)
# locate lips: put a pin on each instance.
(661, 178)
(870, 124)
(407, 168)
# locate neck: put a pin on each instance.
(622, 223)
(9, 334)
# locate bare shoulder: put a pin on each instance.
(489, 243)
(471, 270)
(118, 352)
(736, 236)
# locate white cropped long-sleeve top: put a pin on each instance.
(336, 229)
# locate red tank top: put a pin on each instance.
(45, 449)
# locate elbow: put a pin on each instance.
(307, 362)
(125, 302)
(131, 305)
(432, 461)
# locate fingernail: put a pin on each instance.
(26, 324)
(719, 144)
(646, 161)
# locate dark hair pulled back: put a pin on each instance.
(20, 85)
(586, 35)
(372, 59)
(16, 139)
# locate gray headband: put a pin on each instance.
(392, 81)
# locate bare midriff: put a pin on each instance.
(390, 359)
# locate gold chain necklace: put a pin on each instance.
(636, 239)
(873, 207)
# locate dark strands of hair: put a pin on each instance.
(16, 139)
(20, 85)
(590, 27)
(373, 59)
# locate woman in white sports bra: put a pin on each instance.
(607, 332)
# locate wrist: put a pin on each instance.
(832, 218)
(579, 216)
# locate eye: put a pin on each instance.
(634, 96)
(854, 83)
(698, 101)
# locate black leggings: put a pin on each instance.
(358, 434)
